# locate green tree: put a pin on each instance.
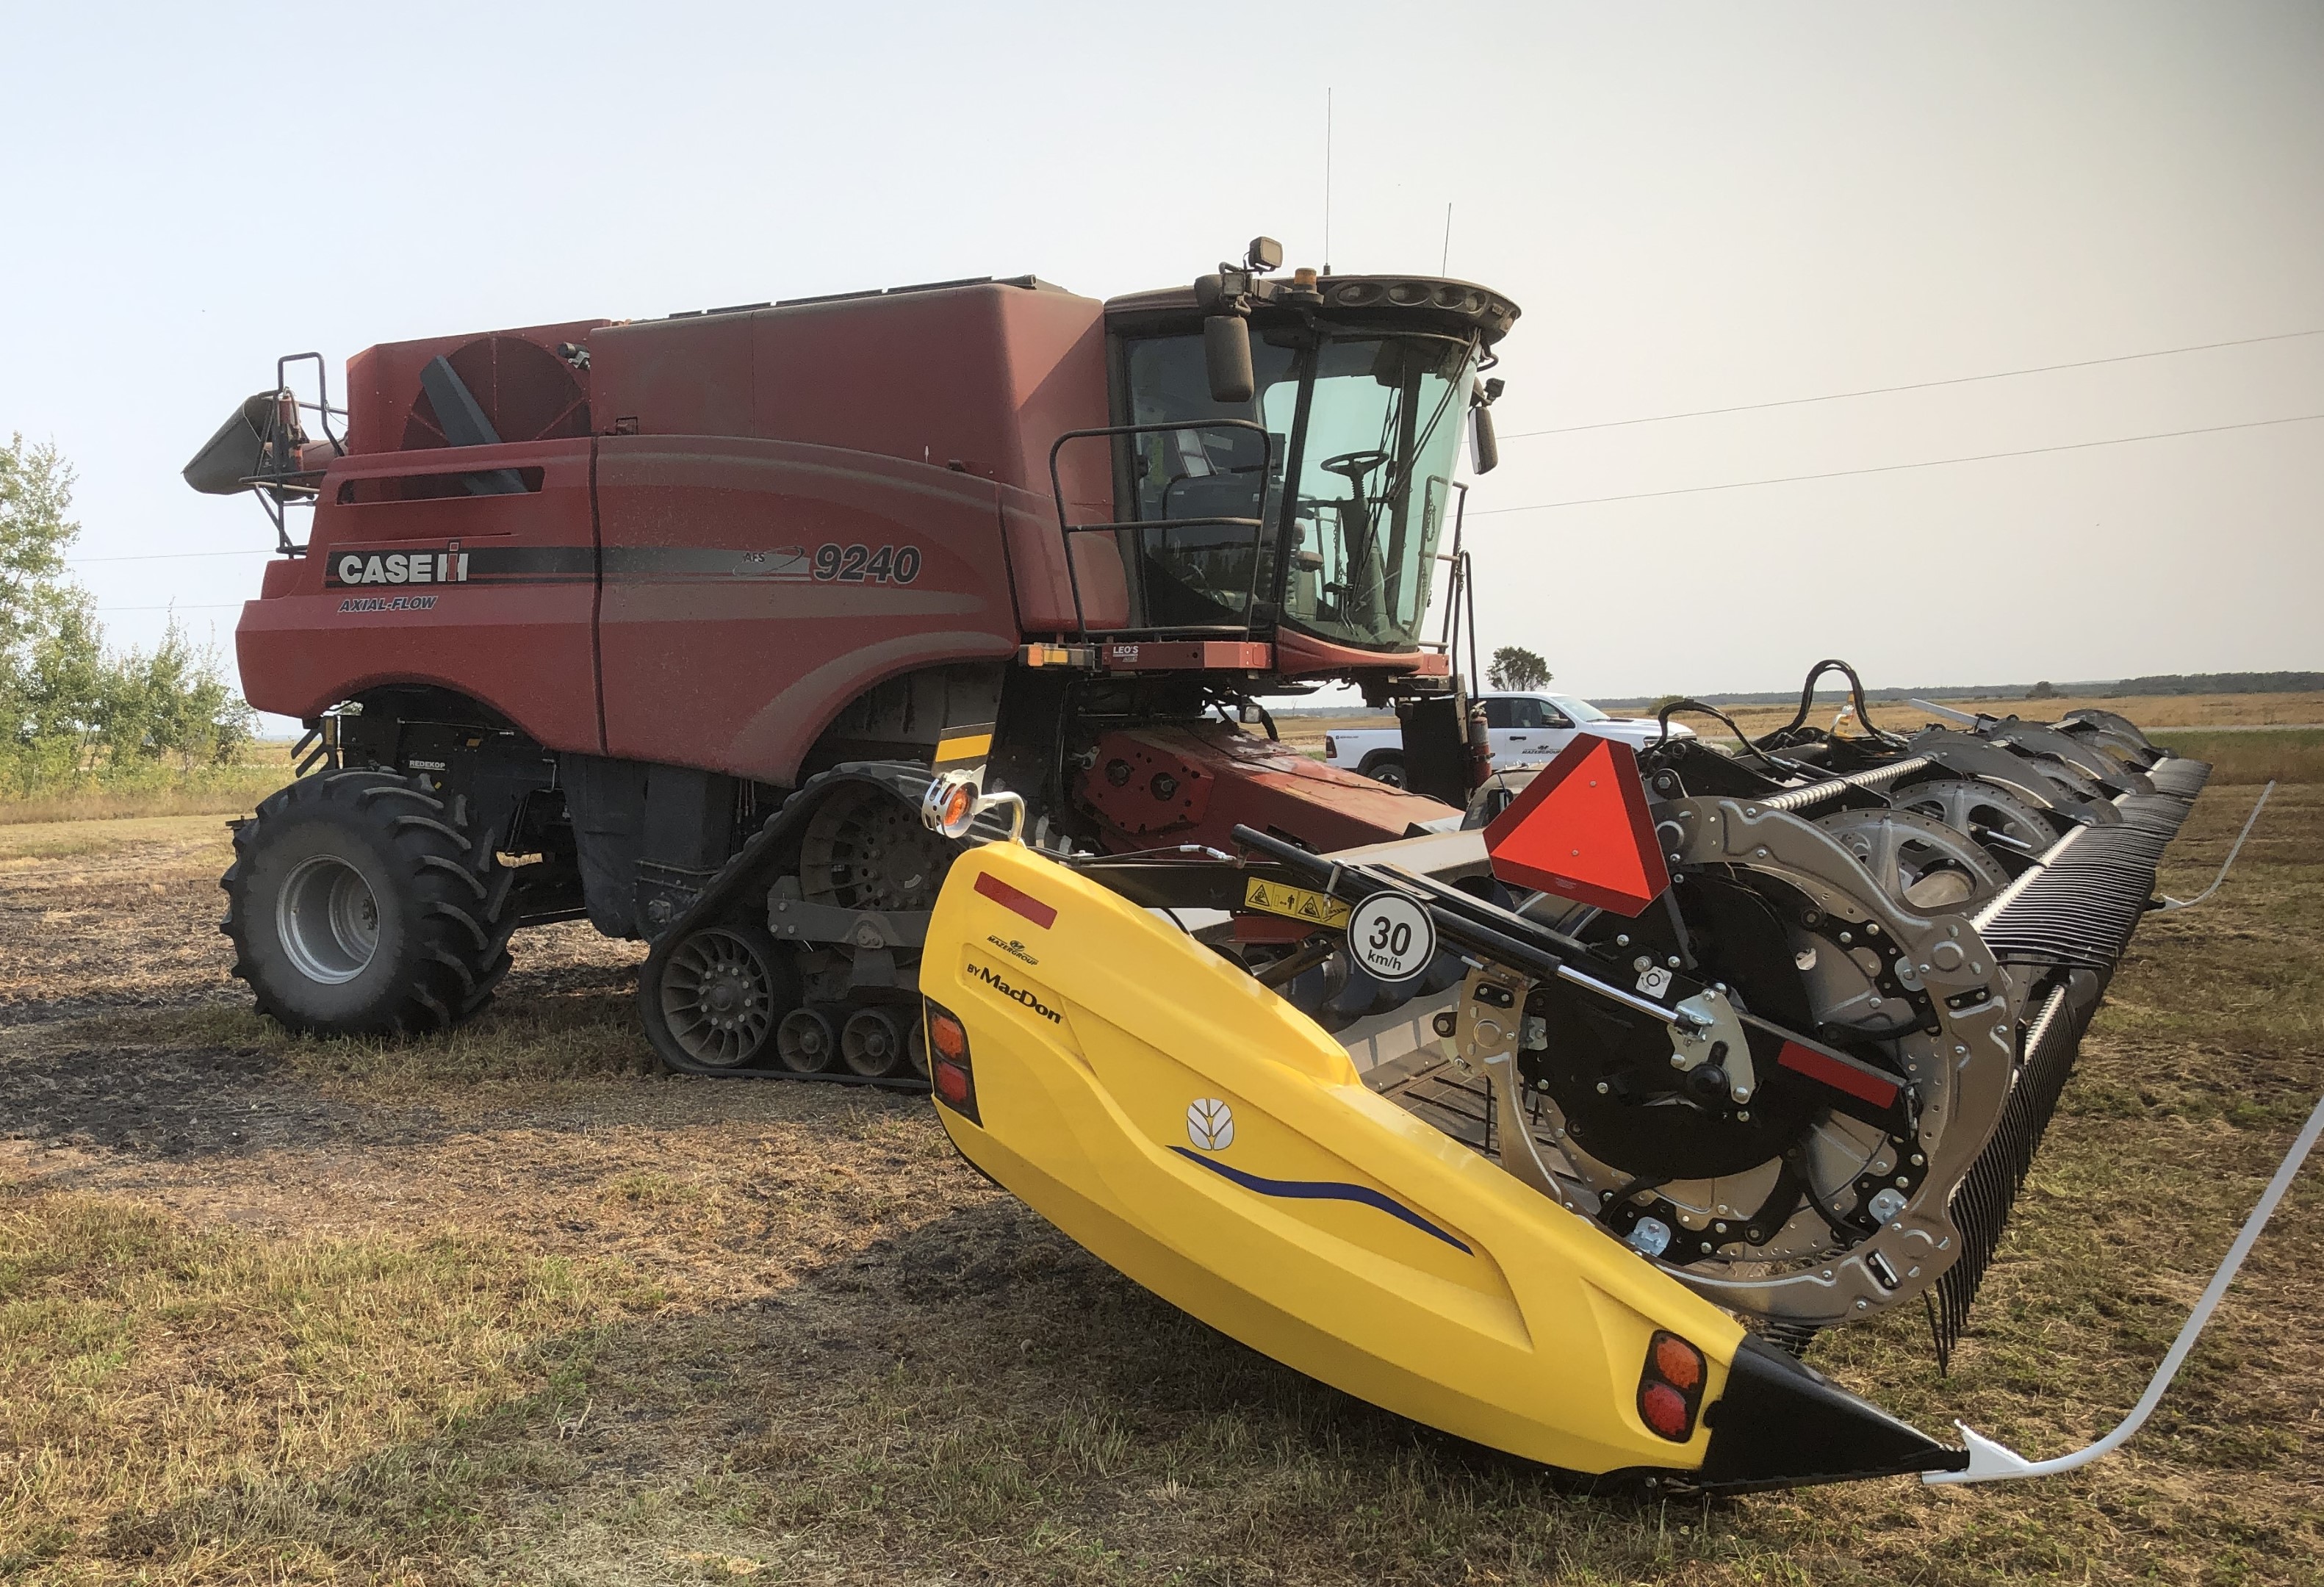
(172, 705)
(1515, 666)
(49, 656)
(68, 706)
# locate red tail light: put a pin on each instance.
(1670, 1389)
(950, 1073)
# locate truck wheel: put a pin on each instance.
(722, 994)
(362, 903)
(1387, 769)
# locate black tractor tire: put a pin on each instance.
(364, 903)
(1388, 769)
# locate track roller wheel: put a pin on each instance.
(364, 903)
(874, 1042)
(722, 994)
(805, 1042)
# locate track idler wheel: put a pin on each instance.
(805, 1042)
(874, 1042)
(722, 994)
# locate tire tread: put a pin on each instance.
(459, 898)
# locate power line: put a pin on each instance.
(175, 606)
(169, 556)
(1918, 386)
(1736, 484)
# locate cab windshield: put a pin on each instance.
(1361, 432)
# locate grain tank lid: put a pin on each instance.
(1431, 302)
(1031, 283)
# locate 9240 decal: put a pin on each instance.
(862, 564)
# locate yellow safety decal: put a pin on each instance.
(1296, 903)
(963, 743)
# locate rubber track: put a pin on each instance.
(739, 889)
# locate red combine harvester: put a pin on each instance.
(666, 623)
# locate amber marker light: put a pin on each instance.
(949, 1071)
(959, 805)
(1670, 1389)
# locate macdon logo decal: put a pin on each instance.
(388, 604)
(449, 566)
(1016, 994)
(1015, 950)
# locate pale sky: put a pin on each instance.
(1696, 206)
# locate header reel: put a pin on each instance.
(1805, 1073)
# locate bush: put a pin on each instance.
(74, 714)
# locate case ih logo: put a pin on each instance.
(1016, 994)
(448, 566)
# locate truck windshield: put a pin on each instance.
(1370, 419)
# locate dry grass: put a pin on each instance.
(501, 1308)
(2161, 710)
(213, 790)
(2279, 755)
(1306, 733)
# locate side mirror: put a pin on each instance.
(1226, 358)
(1484, 450)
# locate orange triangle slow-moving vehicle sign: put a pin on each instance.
(1580, 830)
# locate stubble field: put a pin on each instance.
(506, 1306)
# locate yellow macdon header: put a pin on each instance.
(1209, 1141)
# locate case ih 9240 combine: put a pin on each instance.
(608, 593)
(752, 632)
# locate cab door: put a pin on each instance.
(1514, 721)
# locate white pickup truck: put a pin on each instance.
(1527, 727)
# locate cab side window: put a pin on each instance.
(1551, 717)
(1500, 712)
(1526, 713)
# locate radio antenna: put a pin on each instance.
(1327, 182)
(1445, 265)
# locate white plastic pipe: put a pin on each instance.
(2170, 903)
(1989, 1462)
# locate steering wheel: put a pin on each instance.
(1353, 467)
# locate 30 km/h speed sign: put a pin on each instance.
(1391, 936)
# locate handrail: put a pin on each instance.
(1258, 526)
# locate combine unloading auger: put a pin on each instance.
(1761, 1043)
